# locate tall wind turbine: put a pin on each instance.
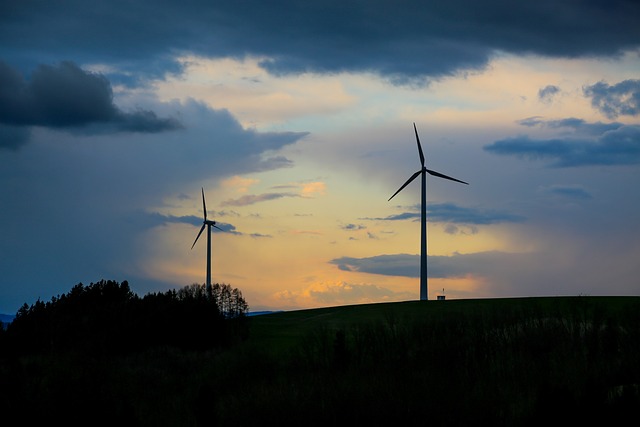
(423, 219)
(206, 223)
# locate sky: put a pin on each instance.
(296, 119)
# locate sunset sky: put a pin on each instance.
(296, 117)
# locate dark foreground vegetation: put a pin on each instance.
(501, 362)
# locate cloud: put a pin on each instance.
(619, 146)
(345, 293)
(98, 191)
(310, 188)
(402, 44)
(548, 93)
(443, 267)
(260, 235)
(388, 265)
(353, 227)
(340, 293)
(239, 184)
(550, 271)
(575, 192)
(452, 213)
(306, 190)
(621, 99)
(250, 199)
(147, 220)
(13, 137)
(65, 96)
(454, 229)
(397, 217)
(449, 212)
(579, 126)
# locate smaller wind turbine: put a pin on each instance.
(423, 217)
(207, 223)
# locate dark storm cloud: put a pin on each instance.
(13, 137)
(402, 42)
(65, 96)
(59, 96)
(619, 146)
(621, 99)
(451, 213)
(144, 121)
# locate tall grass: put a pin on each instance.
(509, 366)
(498, 362)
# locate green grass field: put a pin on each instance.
(509, 361)
(499, 362)
(282, 330)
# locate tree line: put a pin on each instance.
(107, 317)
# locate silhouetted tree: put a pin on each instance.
(229, 300)
(107, 317)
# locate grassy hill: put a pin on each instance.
(499, 361)
(278, 331)
(458, 362)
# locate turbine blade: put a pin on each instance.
(406, 183)
(419, 146)
(439, 175)
(204, 205)
(218, 227)
(198, 236)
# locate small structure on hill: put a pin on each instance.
(441, 297)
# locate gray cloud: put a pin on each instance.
(454, 229)
(260, 235)
(154, 219)
(579, 126)
(503, 274)
(94, 188)
(547, 93)
(619, 146)
(352, 227)
(388, 265)
(65, 96)
(621, 99)
(449, 212)
(398, 217)
(405, 265)
(13, 137)
(452, 213)
(250, 199)
(576, 192)
(403, 44)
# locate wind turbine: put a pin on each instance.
(423, 218)
(207, 223)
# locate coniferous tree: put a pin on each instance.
(107, 317)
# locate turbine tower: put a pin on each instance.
(423, 217)
(206, 223)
